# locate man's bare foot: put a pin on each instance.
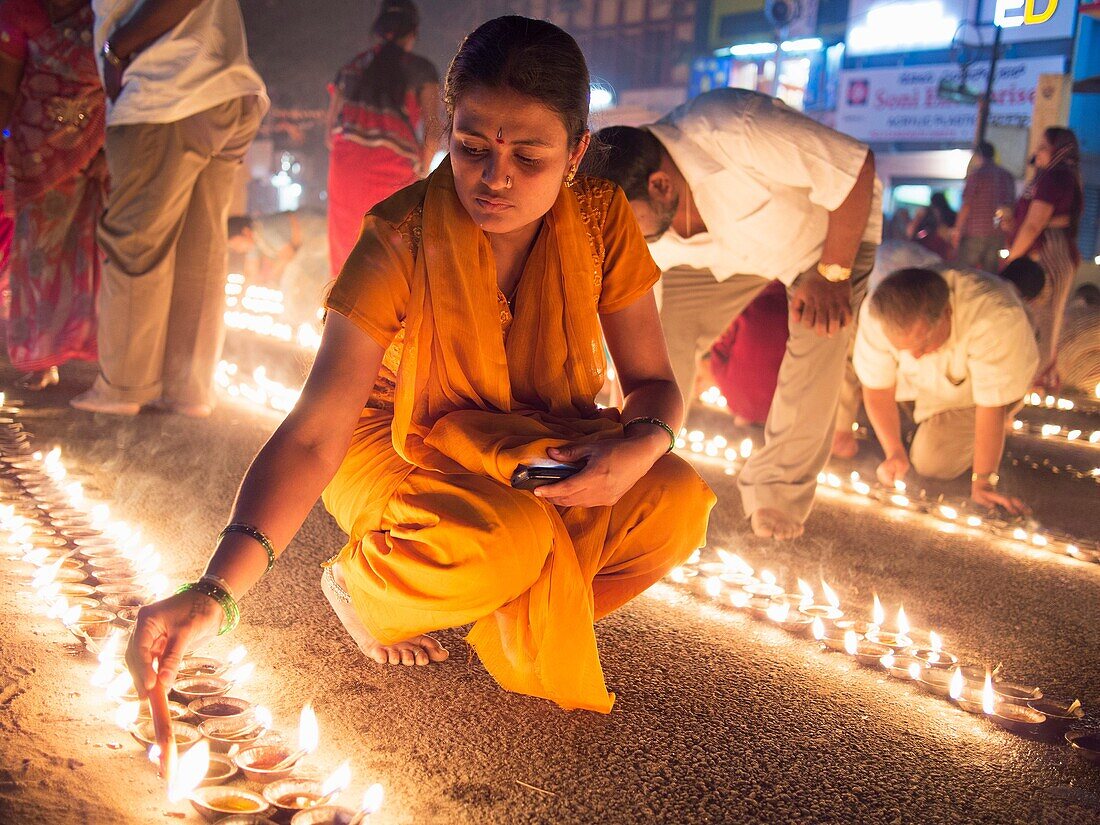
(845, 444)
(419, 650)
(774, 524)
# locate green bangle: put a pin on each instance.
(656, 422)
(252, 532)
(222, 597)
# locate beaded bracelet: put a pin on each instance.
(656, 422)
(252, 532)
(227, 602)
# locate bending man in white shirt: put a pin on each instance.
(734, 190)
(959, 346)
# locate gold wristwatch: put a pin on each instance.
(992, 478)
(834, 272)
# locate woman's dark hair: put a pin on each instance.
(626, 156)
(383, 83)
(1027, 276)
(530, 57)
(944, 212)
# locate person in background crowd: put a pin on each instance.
(52, 102)
(383, 125)
(287, 251)
(958, 345)
(464, 340)
(932, 225)
(185, 104)
(7, 230)
(745, 360)
(989, 188)
(734, 190)
(1046, 219)
(1079, 347)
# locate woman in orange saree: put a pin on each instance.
(476, 303)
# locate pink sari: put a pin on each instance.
(57, 181)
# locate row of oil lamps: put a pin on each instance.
(951, 515)
(93, 573)
(729, 582)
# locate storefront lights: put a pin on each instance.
(894, 27)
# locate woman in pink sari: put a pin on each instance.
(52, 101)
(383, 126)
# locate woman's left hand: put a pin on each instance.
(611, 468)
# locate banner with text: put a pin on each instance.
(904, 105)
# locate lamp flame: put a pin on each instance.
(768, 577)
(713, 586)
(372, 799)
(739, 598)
(778, 612)
(46, 575)
(236, 655)
(190, 771)
(807, 592)
(888, 660)
(935, 641)
(988, 696)
(677, 575)
(903, 622)
(818, 629)
(899, 485)
(127, 715)
(851, 642)
(309, 735)
(263, 716)
(955, 687)
(830, 595)
(949, 512)
(914, 671)
(878, 614)
(241, 674)
(337, 781)
(746, 448)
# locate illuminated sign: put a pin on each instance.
(901, 26)
(1012, 13)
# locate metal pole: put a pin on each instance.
(983, 107)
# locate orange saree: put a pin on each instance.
(437, 537)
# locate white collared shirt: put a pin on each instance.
(764, 178)
(989, 360)
(200, 63)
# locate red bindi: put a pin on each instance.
(500, 136)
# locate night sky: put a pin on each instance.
(298, 46)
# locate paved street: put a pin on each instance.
(719, 717)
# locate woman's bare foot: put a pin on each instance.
(419, 650)
(775, 524)
(845, 444)
(39, 380)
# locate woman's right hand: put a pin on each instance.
(165, 632)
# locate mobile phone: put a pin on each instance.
(530, 476)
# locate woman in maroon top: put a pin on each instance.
(1046, 220)
(383, 125)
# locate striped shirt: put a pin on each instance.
(987, 189)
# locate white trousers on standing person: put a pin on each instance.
(162, 297)
(782, 475)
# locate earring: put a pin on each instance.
(569, 178)
(507, 181)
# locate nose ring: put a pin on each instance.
(507, 181)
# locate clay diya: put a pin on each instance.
(257, 762)
(219, 707)
(215, 802)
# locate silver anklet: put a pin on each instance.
(340, 592)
